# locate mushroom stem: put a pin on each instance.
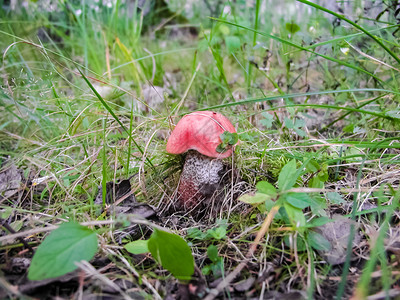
(200, 178)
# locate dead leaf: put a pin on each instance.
(337, 233)
(10, 180)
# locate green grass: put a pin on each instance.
(76, 112)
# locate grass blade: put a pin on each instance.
(108, 108)
(340, 62)
(378, 41)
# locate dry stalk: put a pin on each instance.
(261, 233)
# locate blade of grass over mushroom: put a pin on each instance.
(341, 17)
(349, 112)
(281, 40)
(108, 108)
(255, 100)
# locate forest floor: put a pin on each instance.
(308, 207)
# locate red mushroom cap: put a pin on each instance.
(200, 131)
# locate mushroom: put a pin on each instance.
(199, 133)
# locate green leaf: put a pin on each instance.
(299, 123)
(299, 200)
(173, 253)
(218, 233)
(292, 27)
(257, 198)
(335, 197)
(300, 244)
(224, 29)
(245, 136)
(195, 233)
(318, 241)
(289, 123)
(287, 178)
(295, 215)
(300, 132)
(318, 204)
(395, 114)
(349, 128)
(268, 119)
(312, 166)
(266, 188)
(206, 270)
(61, 249)
(137, 247)
(269, 204)
(316, 183)
(232, 43)
(319, 221)
(221, 148)
(229, 138)
(212, 253)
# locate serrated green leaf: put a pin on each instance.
(257, 198)
(300, 132)
(299, 123)
(61, 249)
(289, 123)
(318, 241)
(173, 253)
(138, 247)
(287, 178)
(266, 188)
(268, 119)
(299, 200)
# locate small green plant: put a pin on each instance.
(217, 233)
(289, 203)
(228, 140)
(216, 267)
